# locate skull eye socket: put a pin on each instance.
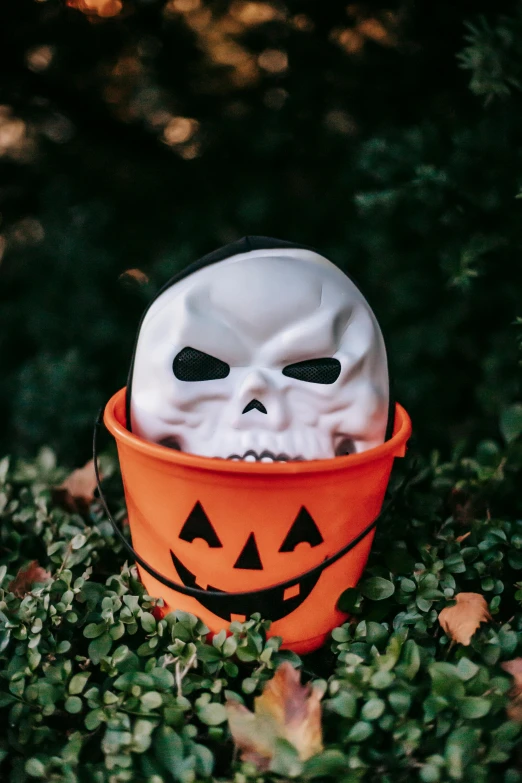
(193, 365)
(314, 370)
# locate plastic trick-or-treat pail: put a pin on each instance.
(224, 539)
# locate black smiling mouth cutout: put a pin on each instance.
(270, 601)
(273, 602)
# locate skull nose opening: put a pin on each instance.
(254, 405)
(249, 557)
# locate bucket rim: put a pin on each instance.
(394, 447)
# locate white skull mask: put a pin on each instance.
(271, 354)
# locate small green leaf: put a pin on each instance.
(446, 681)
(100, 647)
(410, 659)
(466, 669)
(168, 748)
(73, 704)
(473, 707)
(341, 634)
(407, 585)
(78, 541)
(376, 588)
(231, 669)
(208, 653)
(344, 703)
(229, 647)
(35, 768)
(93, 719)
(93, 630)
(331, 763)
(162, 678)
(461, 748)
(249, 685)
(4, 468)
(212, 714)
(429, 773)
(375, 633)
(373, 709)
(78, 682)
(359, 732)
(511, 422)
(382, 679)
(285, 761)
(148, 622)
(348, 600)
(204, 760)
(219, 639)
(151, 701)
(6, 698)
(400, 701)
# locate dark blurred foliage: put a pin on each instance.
(145, 139)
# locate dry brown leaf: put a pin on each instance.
(134, 276)
(76, 493)
(462, 620)
(26, 578)
(514, 668)
(285, 710)
(103, 8)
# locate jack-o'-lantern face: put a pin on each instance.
(274, 603)
(223, 540)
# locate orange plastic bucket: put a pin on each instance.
(236, 538)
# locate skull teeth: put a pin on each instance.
(265, 457)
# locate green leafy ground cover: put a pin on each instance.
(93, 687)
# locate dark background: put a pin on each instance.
(386, 135)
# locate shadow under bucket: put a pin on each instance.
(226, 539)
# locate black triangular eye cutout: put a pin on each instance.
(249, 557)
(315, 370)
(198, 526)
(303, 529)
(193, 365)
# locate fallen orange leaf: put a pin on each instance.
(462, 620)
(514, 668)
(76, 493)
(285, 710)
(26, 577)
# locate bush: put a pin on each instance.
(95, 687)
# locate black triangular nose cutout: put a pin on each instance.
(198, 526)
(249, 557)
(303, 529)
(254, 405)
